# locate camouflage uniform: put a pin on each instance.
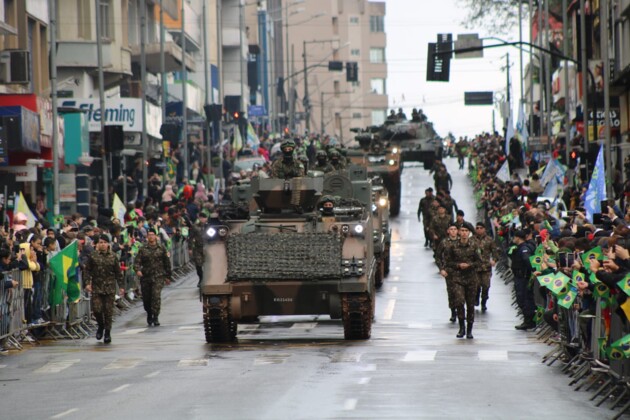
(444, 248)
(196, 244)
(102, 272)
(424, 211)
(327, 167)
(487, 249)
(465, 281)
(438, 227)
(282, 169)
(155, 265)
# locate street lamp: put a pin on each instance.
(307, 105)
(321, 115)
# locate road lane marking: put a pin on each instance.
(193, 327)
(123, 364)
(192, 362)
(393, 290)
(395, 278)
(271, 359)
(65, 413)
(153, 374)
(56, 367)
(120, 388)
(350, 404)
(133, 331)
(397, 268)
(419, 356)
(421, 326)
(364, 381)
(493, 355)
(370, 367)
(389, 309)
(304, 325)
(346, 357)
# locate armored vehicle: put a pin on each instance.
(289, 257)
(382, 231)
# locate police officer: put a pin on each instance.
(322, 162)
(424, 213)
(522, 270)
(153, 266)
(462, 262)
(451, 240)
(489, 256)
(287, 166)
(102, 274)
(196, 244)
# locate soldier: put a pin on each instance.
(102, 274)
(442, 178)
(196, 244)
(459, 218)
(304, 160)
(287, 166)
(444, 247)
(322, 162)
(438, 226)
(489, 256)
(153, 266)
(462, 262)
(448, 202)
(424, 210)
(335, 160)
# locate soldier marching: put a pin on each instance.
(153, 266)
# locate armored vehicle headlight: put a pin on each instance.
(345, 228)
(358, 229)
(382, 201)
(374, 208)
(395, 150)
(211, 232)
(223, 232)
(392, 162)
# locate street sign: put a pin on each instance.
(468, 41)
(478, 98)
(256, 111)
(438, 66)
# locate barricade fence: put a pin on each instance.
(69, 319)
(577, 336)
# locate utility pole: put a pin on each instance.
(164, 95)
(548, 97)
(520, 38)
(184, 93)
(584, 73)
(603, 18)
(53, 97)
(101, 93)
(143, 81)
(541, 75)
(567, 105)
(531, 71)
(219, 129)
(306, 101)
(206, 73)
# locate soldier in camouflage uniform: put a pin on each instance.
(287, 166)
(424, 211)
(196, 244)
(490, 254)
(102, 275)
(462, 262)
(451, 240)
(322, 162)
(438, 226)
(336, 160)
(153, 266)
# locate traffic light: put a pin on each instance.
(352, 71)
(573, 159)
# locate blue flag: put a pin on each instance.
(596, 188)
(552, 188)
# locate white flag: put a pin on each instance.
(504, 172)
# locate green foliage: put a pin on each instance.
(498, 17)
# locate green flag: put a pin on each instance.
(538, 316)
(546, 280)
(601, 291)
(577, 276)
(540, 250)
(624, 284)
(536, 262)
(621, 348)
(603, 347)
(595, 253)
(64, 267)
(567, 299)
(507, 218)
(559, 286)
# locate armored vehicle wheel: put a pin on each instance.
(386, 263)
(357, 314)
(380, 274)
(217, 319)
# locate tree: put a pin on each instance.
(497, 16)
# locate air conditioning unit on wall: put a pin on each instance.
(15, 66)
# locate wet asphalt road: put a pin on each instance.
(301, 368)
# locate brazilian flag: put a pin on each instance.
(538, 316)
(64, 265)
(624, 284)
(594, 254)
(507, 218)
(536, 262)
(559, 285)
(603, 346)
(567, 299)
(577, 276)
(600, 290)
(540, 250)
(620, 349)
(546, 280)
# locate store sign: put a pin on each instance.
(118, 111)
(25, 173)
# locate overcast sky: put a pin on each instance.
(410, 25)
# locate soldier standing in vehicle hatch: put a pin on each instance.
(462, 262)
(102, 274)
(287, 166)
(153, 266)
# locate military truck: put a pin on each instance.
(287, 257)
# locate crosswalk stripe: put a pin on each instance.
(123, 364)
(389, 309)
(271, 359)
(346, 357)
(492, 355)
(304, 325)
(133, 331)
(191, 327)
(58, 366)
(192, 362)
(350, 404)
(419, 356)
(120, 388)
(364, 381)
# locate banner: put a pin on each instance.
(64, 267)
(596, 188)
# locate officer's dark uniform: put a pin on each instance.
(522, 269)
(154, 263)
(103, 274)
(424, 213)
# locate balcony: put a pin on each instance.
(192, 28)
(83, 54)
(172, 57)
(231, 37)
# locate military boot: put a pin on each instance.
(149, 318)
(99, 332)
(469, 330)
(108, 337)
(453, 315)
(528, 324)
(484, 308)
(156, 322)
(462, 329)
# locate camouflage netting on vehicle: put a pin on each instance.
(284, 256)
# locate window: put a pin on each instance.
(377, 86)
(378, 117)
(335, 25)
(105, 9)
(354, 20)
(377, 55)
(355, 52)
(377, 24)
(83, 13)
(357, 115)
